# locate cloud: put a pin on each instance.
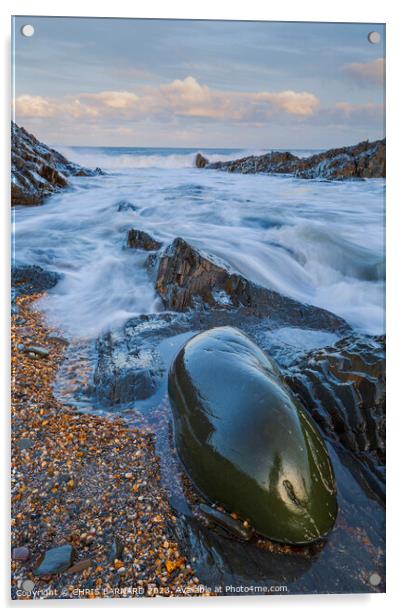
(27, 106)
(295, 103)
(189, 112)
(366, 73)
(179, 98)
(114, 100)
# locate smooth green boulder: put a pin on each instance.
(245, 441)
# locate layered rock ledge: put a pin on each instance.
(187, 278)
(343, 386)
(37, 170)
(364, 160)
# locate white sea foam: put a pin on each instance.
(319, 242)
(134, 160)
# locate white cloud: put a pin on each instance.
(27, 106)
(186, 97)
(295, 103)
(366, 73)
(114, 100)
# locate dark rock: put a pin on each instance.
(55, 560)
(200, 161)
(142, 240)
(343, 387)
(241, 435)
(186, 278)
(30, 279)
(57, 339)
(22, 554)
(37, 350)
(81, 565)
(24, 443)
(37, 171)
(126, 206)
(33, 279)
(116, 550)
(364, 160)
(232, 526)
(130, 366)
(124, 374)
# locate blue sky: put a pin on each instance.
(183, 83)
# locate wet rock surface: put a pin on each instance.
(28, 279)
(21, 554)
(37, 170)
(142, 240)
(241, 436)
(222, 521)
(126, 206)
(126, 371)
(186, 278)
(364, 160)
(55, 560)
(200, 293)
(343, 387)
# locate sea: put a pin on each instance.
(320, 242)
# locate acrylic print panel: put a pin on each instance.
(198, 308)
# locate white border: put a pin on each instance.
(290, 10)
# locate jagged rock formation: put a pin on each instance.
(142, 240)
(29, 279)
(37, 171)
(364, 160)
(201, 293)
(125, 373)
(186, 278)
(343, 387)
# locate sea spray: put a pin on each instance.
(316, 241)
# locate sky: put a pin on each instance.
(180, 83)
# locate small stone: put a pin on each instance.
(37, 350)
(21, 554)
(58, 339)
(116, 550)
(55, 560)
(81, 565)
(24, 443)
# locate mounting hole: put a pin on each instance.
(374, 38)
(27, 30)
(374, 579)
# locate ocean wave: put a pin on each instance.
(318, 242)
(134, 160)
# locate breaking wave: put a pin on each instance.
(318, 242)
(114, 159)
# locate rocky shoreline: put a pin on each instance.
(342, 386)
(364, 160)
(38, 171)
(89, 516)
(90, 510)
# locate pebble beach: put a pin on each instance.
(80, 484)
